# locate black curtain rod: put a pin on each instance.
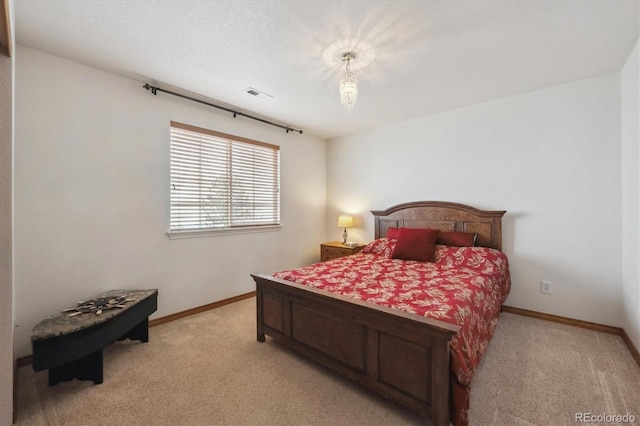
(155, 90)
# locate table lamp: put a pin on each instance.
(345, 221)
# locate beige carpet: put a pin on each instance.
(209, 369)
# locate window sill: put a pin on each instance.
(196, 233)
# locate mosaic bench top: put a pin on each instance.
(66, 322)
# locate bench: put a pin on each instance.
(71, 346)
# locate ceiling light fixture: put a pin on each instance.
(348, 83)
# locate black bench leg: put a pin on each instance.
(139, 332)
(85, 368)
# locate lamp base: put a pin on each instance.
(344, 236)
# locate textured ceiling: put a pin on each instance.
(418, 57)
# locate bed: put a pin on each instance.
(390, 349)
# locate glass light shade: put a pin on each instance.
(345, 221)
(348, 90)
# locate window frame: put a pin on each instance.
(221, 230)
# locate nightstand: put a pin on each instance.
(336, 249)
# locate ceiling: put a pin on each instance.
(417, 57)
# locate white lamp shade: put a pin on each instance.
(345, 221)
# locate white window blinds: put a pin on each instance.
(222, 181)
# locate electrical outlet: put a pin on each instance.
(545, 287)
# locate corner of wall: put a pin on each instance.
(630, 183)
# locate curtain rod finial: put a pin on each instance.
(154, 90)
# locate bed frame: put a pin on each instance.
(401, 356)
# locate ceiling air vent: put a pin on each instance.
(257, 93)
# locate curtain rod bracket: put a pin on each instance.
(154, 90)
(148, 87)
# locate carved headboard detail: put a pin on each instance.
(445, 216)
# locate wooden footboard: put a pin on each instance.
(401, 356)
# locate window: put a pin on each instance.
(220, 181)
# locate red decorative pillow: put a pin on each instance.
(457, 239)
(393, 233)
(381, 247)
(416, 244)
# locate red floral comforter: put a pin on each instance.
(464, 286)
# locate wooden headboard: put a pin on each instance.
(444, 216)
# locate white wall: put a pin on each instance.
(551, 158)
(630, 117)
(6, 234)
(92, 194)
